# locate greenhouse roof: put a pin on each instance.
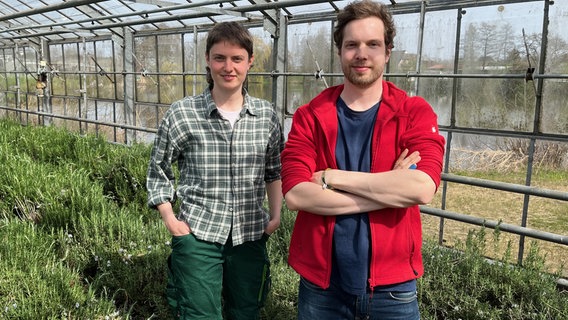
(60, 20)
(56, 20)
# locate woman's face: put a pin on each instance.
(229, 64)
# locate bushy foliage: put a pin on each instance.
(78, 206)
(461, 283)
(78, 242)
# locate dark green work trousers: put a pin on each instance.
(200, 272)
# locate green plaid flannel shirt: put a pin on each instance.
(223, 171)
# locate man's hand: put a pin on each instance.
(404, 162)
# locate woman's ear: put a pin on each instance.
(251, 60)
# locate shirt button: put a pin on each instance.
(230, 209)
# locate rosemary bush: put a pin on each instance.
(78, 242)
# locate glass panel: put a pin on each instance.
(310, 48)
(10, 60)
(119, 66)
(310, 53)
(71, 53)
(73, 84)
(145, 60)
(478, 153)
(57, 80)
(118, 112)
(104, 66)
(494, 37)
(557, 50)
(2, 64)
(405, 52)
(11, 100)
(170, 61)
(506, 104)
(438, 58)
(195, 84)
(32, 102)
(260, 87)
(71, 66)
(438, 92)
(438, 52)
(555, 106)
(200, 55)
(146, 116)
(190, 64)
(263, 44)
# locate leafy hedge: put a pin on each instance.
(78, 242)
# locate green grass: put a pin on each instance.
(78, 242)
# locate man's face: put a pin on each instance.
(363, 52)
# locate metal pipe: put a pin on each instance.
(420, 45)
(49, 8)
(84, 82)
(340, 75)
(99, 122)
(504, 186)
(536, 234)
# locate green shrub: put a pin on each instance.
(78, 242)
(461, 283)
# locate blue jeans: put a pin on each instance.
(333, 303)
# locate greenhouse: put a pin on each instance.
(495, 72)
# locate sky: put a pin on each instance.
(440, 26)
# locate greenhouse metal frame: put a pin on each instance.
(113, 67)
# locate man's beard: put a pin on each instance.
(360, 80)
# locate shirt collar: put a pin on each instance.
(248, 106)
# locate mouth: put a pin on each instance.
(360, 68)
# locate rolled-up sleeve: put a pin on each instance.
(160, 181)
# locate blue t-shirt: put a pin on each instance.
(351, 236)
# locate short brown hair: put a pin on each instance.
(360, 10)
(232, 32)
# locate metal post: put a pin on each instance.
(46, 99)
(129, 85)
(18, 86)
(536, 125)
(459, 17)
(420, 42)
(84, 85)
(195, 34)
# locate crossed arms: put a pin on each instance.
(355, 192)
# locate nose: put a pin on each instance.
(360, 53)
(228, 64)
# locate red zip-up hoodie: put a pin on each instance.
(396, 233)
